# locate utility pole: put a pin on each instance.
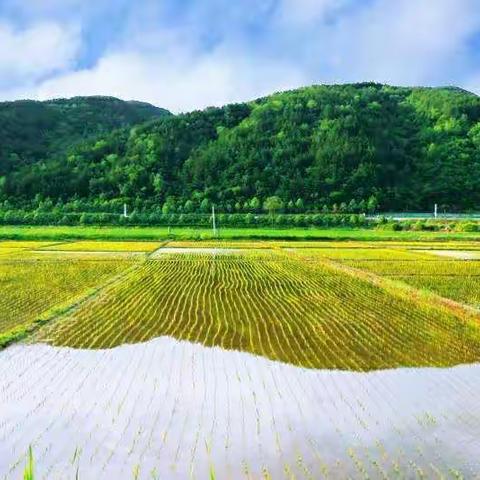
(214, 225)
(125, 210)
(435, 211)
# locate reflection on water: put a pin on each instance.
(174, 410)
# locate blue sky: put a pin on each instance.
(187, 54)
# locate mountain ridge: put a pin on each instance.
(318, 147)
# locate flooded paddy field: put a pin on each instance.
(171, 409)
(269, 360)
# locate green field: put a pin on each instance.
(189, 233)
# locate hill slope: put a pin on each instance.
(32, 131)
(316, 148)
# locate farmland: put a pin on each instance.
(240, 359)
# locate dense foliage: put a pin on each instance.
(322, 149)
(33, 134)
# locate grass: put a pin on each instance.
(56, 233)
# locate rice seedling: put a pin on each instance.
(28, 473)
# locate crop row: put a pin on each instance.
(455, 279)
(31, 287)
(100, 246)
(273, 305)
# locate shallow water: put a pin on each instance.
(169, 409)
(458, 254)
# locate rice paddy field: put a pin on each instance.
(240, 359)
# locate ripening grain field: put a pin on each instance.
(231, 360)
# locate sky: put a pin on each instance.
(189, 54)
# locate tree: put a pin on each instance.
(352, 206)
(299, 205)
(157, 182)
(255, 204)
(188, 207)
(372, 204)
(273, 204)
(169, 206)
(205, 205)
(3, 182)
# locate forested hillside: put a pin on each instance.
(33, 132)
(347, 148)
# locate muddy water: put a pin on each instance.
(173, 410)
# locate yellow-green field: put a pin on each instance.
(101, 246)
(285, 301)
(329, 359)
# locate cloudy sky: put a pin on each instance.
(187, 54)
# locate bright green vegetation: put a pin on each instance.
(35, 287)
(58, 233)
(271, 303)
(346, 148)
(32, 132)
(28, 473)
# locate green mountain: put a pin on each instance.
(317, 148)
(33, 132)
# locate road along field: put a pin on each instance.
(243, 360)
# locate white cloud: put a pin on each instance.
(29, 54)
(406, 41)
(215, 52)
(176, 82)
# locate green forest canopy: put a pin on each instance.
(318, 148)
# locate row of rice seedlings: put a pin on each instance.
(453, 279)
(363, 254)
(222, 244)
(461, 289)
(24, 244)
(279, 307)
(402, 245)
(30, 288)
(106, 246)
(439, 267)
